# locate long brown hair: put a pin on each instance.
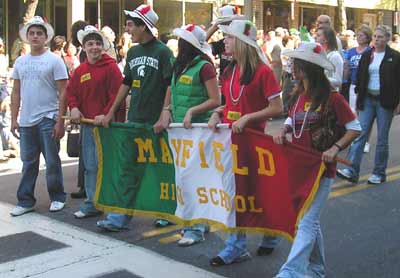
(330, 36)
(318, 87)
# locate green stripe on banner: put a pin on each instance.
(136, 171)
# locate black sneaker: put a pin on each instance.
(80, 194)
(264, 251)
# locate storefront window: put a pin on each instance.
(60, 17)
(198, 13)
(91, 15)
(276, 15)
(130, 5)
(170, 14)
(2, 17)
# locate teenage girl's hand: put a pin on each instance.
(75, 115)
(187, 121)
(280, 138)
(239, 125)
(107, 119)
(330, 154)
(213, 121)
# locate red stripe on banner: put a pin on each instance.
(279, 186)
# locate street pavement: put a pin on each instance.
(360, 225)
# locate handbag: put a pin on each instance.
(326, 131)
(73, 141)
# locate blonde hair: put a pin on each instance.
(385, 30)
(366, 30)
(247, 58)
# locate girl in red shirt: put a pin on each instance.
(252, 96)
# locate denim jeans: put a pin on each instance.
(372, 110)
(307, 256)
(89, 156)
(33, 141)
(235, 245)
(196, 232)
(119, 220)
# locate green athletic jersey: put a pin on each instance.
(148, 72)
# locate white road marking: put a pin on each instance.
(89, 254)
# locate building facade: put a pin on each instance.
(267, 14)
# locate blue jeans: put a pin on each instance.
(90, 162)
(119, 220)
(372, 110)
(196, 232)
(235, 245)
(33, 141)
(307, 256)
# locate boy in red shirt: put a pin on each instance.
(91, 92)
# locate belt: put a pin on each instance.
(374, 97)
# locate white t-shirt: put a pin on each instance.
(374, 81)
(39, 96)
(335, 77)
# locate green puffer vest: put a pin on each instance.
(188, 91)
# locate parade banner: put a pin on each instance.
(237, 182)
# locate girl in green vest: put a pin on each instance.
(193, 96)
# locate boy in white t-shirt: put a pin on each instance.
(40, 79)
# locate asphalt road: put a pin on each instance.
(361, 224)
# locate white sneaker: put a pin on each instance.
(18, 210)
(366, 148)
(56, 206)
(375, 179)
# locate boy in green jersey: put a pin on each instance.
(147, 74)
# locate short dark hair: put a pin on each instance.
(93, 36)
(138, 22)
(76, 26)
(37, 26)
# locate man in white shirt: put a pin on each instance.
(40, 79)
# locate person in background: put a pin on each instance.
(287, 82)
(123, 45)
(378, 94)
(327, 38)
(57, 45)
(110, 36)
(313, 93)
(70, 58)
(325, 21)
(395, 43)
(275, 54)
(194, 103)
(252, 96)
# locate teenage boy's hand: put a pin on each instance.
(75, 115)
(213, 121)
(59, 130)
(98, 120)
(187, 121)
(163, 122)
(15, 128)
(106, 120)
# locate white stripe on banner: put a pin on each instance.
(203, 173)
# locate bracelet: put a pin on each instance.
(166, 108)
(338, 146)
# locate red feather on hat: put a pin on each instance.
(190, 28)
(145, 10)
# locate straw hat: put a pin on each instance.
(36, 20)
(228, 13)
(194, 35)
(91, 29)
(311, 52)
(148, 15)
(245, 31)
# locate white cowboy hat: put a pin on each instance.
(147, 15)
(194, 35)
(36, 20)
(245, 31)
(311, 52)
(228, 13)
(91, 29)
